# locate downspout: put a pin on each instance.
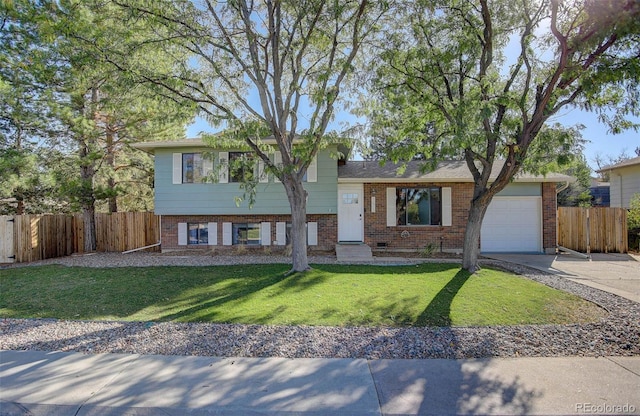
(149, 246)
(558, 190)
(621, 193)
(562, 188)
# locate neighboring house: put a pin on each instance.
(600, 196)
(624, 181)
(352, 201)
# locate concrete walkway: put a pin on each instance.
(56, 383)
(615, 273)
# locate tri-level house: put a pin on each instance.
(348, 201)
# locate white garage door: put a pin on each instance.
(512, 224)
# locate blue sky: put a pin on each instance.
(600, 140)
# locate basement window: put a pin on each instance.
(198, 233)
(246, 234)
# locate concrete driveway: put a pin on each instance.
(615, 273)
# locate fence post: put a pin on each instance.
(588, 233)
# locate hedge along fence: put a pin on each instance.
(599, 229)
(38, 237)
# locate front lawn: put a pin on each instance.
(334, 295)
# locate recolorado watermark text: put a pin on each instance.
(594, 408)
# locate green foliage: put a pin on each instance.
(633, 222)
(559, 149)
(633, 217)
(61, 93)
(428, 250)
(444, 84)
(427, 294)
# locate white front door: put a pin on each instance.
(350, 212)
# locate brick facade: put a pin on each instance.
(376, 232)
(327, 229)
(449, 239)
(549, 218)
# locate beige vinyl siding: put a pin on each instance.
(623, 184)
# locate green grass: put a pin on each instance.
(427, 294)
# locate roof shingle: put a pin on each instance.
(446, 171)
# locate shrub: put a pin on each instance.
(633, 218)
(633, 222)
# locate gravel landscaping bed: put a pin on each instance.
(617, 334)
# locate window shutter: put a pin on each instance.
(281, 233)
(265, 233)
(391, 207)
(207, 165)
(277, 160)
(226, 233)
(182, 233)
(177, 168)
(447, 215)
(312, 233)
(262, 175)
(223, 171)
(212, 232)
(312, 170)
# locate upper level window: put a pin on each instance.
(240, 166)
(192, 168)
(419, 206)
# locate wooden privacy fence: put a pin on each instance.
(25, 238)
(587, 230)
(124, 231)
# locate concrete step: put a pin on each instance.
(353, 252)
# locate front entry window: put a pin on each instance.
(349, 199)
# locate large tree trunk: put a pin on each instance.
(87, 198)
(110, 160)
(298, 201)
(472, 234)
(89, 219)
(113, 199)
(20, 207)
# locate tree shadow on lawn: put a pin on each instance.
(205, 304)
(438, 312)
(237, 290)
(194, 294)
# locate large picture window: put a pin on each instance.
(198, 233)
(246, 234)
(419, 206)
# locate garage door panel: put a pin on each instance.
(512, 224)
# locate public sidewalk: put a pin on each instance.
(56, 383)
